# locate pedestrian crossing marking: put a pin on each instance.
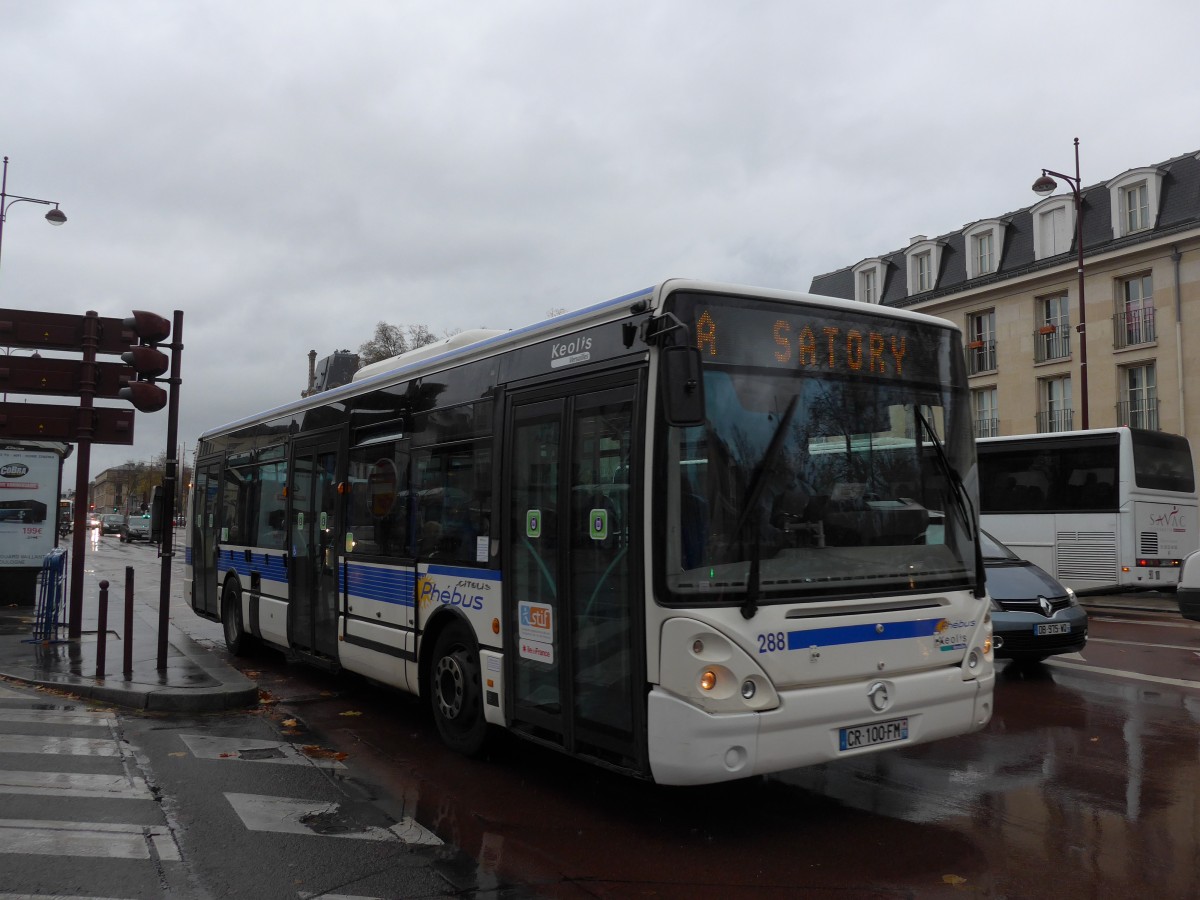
(57, 717)
(66, 784)
(66, 746)
(251, 750)
(291, 816)
(33, 836)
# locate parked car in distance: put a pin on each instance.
(1188, 592)
(1033, 616)
(111, 523)
(135, 528)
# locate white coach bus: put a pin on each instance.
(1103, 509)
(682, 533)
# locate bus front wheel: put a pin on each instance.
(236, 638)
(456, 695)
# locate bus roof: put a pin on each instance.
(423, 361)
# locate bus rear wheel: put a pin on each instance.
(236, 639)
(456, 694)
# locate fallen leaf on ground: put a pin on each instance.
(350, 712)
(314, 752)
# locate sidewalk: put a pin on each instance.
(194, 680)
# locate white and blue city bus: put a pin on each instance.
(682, 533)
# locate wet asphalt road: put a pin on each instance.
(1083, 785)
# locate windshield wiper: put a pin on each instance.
(962, 500)
(757, 486)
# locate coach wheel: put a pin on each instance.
(236, 638)
(456, 694)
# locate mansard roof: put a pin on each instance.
(1179, 209)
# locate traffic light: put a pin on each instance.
(149, 330)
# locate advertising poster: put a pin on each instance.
(28, 506)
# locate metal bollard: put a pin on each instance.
(128, 670)
(102, 629)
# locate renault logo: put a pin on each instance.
(878, 695)
(1045, 606)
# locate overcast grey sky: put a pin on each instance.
(289, 173)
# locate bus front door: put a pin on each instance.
(205, 500)
(572, 562)
(313, 552)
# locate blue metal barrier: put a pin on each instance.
(52, 592)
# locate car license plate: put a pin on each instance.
(1052, 628)
(854, 737)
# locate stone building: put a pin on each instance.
(1010, 281)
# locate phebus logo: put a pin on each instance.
(569, 353)
(14, 470)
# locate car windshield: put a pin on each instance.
(993, 549)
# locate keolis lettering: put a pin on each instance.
(568, 352)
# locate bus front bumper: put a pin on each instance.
(690, 746)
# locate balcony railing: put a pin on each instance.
(987, 428)
(1134, 326)
(1051, 342)
(1139, 413)
(1054, 420)
(981, 357)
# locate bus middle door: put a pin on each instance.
(313, 551)
(573, 558)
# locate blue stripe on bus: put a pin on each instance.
(384, 585)
(465, 572)
(863, 634)
(269, 569)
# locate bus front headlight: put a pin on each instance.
(703, 666)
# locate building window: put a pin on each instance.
(1052, 339)
(868, 281)
(924, 257)
(1135, 319)
(1134, 199)
(924, 278)
(1054, 404)
(984, 260)
(1053, 226)
(1139, 409)
(983, 405)
(1136, 208)
(868, 291)
(981, 342)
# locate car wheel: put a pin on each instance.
(236, 639)
(455, 693)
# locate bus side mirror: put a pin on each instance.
(156, 514)
(682, 387)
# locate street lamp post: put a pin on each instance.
(1044, 187)
(55, 217)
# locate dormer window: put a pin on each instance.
(1053, 226)
(983, 242)
(868, 281)
(1134, 197)
(924, 260)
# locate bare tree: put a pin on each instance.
(392, 340)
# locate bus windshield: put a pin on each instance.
(810, 481)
